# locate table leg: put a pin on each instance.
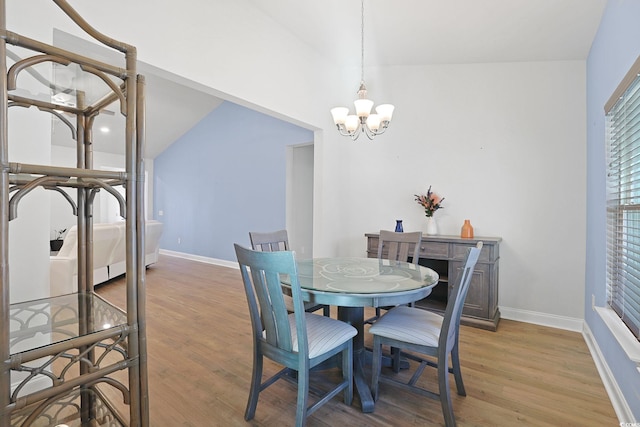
(355, 317)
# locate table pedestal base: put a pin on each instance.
(355, 317)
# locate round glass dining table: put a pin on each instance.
(354, 283)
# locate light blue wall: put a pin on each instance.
(224, 178)
(615, 48)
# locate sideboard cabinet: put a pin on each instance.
(445, 255)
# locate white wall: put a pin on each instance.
(29, 136)
(29, 133)
(504, 143)
(300, 199)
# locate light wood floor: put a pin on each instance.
(199, 351)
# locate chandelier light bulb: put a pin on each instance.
(373, 121)
(363, 107)
(385, 111)
(351, 123)
(339, 115)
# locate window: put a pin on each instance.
(623, 201)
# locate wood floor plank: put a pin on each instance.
(199, 353)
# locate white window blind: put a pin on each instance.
(623, 206)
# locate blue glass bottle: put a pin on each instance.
(399, 226)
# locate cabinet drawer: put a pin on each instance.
(487, 254)
(372, 244)
(434, 250)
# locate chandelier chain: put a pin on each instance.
(362, 43)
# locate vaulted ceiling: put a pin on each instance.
(398, 32)
(412, 32)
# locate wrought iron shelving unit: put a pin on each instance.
(74, 359)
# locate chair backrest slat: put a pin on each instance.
(399, 246)
(262, 274)
(457, 295)
(270, 241)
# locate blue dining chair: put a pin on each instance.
(299, 341)
(279, 241)
(397, 246)
(430, 334)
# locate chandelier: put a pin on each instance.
(363, 122)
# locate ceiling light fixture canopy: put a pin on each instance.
(363, 122)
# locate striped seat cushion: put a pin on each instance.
(412, 325)
(324, 333)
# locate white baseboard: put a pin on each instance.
(199, 258)
(543, 319)
(620, 405)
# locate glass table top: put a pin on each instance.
(363, 275)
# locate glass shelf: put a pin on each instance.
(40, 323)
(65, 411)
